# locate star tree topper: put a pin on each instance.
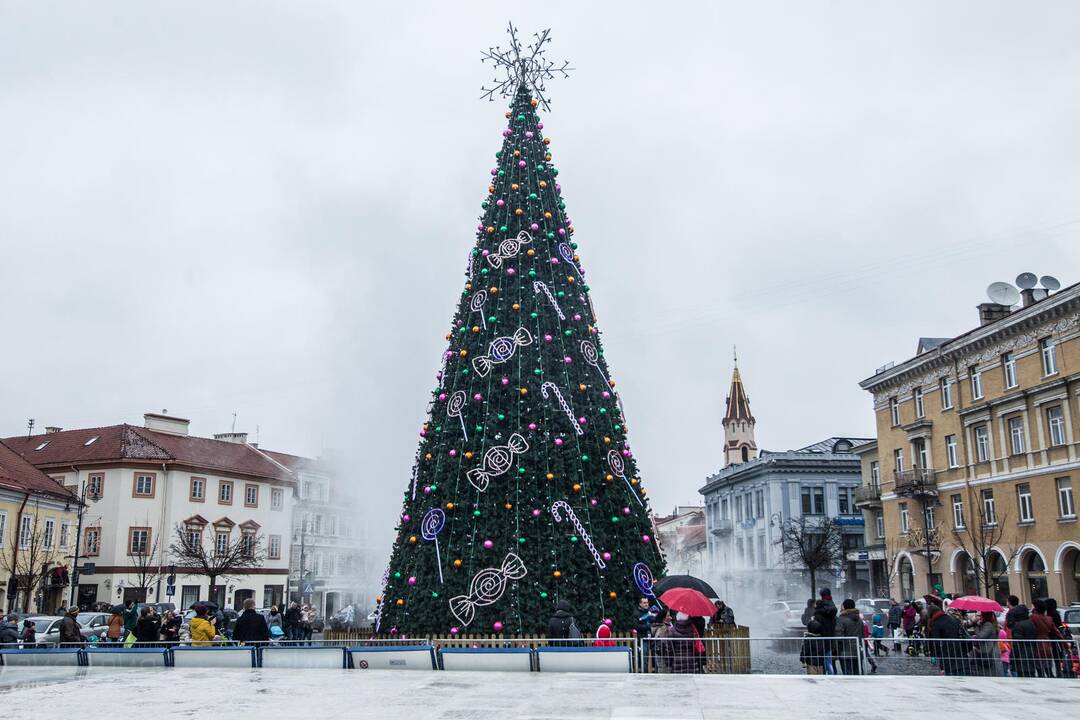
(517, 66)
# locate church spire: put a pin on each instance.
(739, 443)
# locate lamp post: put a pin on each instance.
(300, 570)
(74, 574)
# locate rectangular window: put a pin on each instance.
(846, 500)
(894, 410)
(989, 509)
(65, 532)
(982, 443)
(958, 511)
(1023, 497)
(762, 558)
(950, 451)
(144, 485)
(879, 523)
(738, 509)
(976, 382)
(189, 595)
(875, 474)
(221, 543)
(1049, 359)
(194, 537)
(273, 548)
(922, 455)
(197, 492)
(1056, 419)
(898, 459)
(225, 492)
(1008, 366)
(3, 528)
(47, 535)
(1016, 435)
(26, 532)
(905, 520)
(138, 540)
(251, 496)
(920, 406)
(92, 541)
(247, 544)
(759, 504)
(95, 485)
(277, 499)
(813, 501)
(946, 393)
(929, 517)
(1066, 508)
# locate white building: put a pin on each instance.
(142, 485)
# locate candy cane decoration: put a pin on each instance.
(539, 287)
(453, 409)
(568, 255)
(430, 526)
(551, 387)
(476, 304)
(577, 526)
(618, 468)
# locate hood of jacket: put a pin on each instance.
(851, 613)
(1020, 612)
(563, 608)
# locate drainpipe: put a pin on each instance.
(13, 584)
(73, 576)
(161, 535)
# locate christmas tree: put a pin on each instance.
(525, 491)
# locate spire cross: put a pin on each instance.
(517, 66)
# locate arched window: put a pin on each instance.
(1035, 570)
(997, 572)
(967, 583)
(745, 454)
(907, 579)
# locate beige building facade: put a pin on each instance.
(977, 459)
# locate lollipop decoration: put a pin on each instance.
(552, 388)
(568, 255)
(592, 357)
(476, 304)
(565, 507)
(486, 587)
(497, 461)
(618, 468)
(501, 350)
(508, 248)
(539, 287)
(643, 578)
(430, 527)
(453, 409)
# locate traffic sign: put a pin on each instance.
(170, 590)
(308, 589)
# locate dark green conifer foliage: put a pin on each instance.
(500, 451)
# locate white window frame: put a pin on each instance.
(946, 393)
(222, 539)
(1023, 500)
(65, 532)
(950, 451)
(875, 473)
(1017, 441)
(929, 517)
(1055, 418)
(273, 547)
(879, 523)
(48, 533)
(26, 531)
(898, 459)
(982, 442)
(277, 499)
(976, 382)
(958, 511)
(989, 508)
(920, 403)
(1008, 368)
(1049, 357)
(905, 518)
(921, 449)
(894, 411)
(3, 527)
(1066, 501)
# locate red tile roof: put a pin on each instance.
(19, 475)
(117, 443)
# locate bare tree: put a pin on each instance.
(145, 566)
(813, 543)
(213, 559)
(982, 541)
(28, 560)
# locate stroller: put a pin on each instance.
(917, 641)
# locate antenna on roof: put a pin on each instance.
(29, 427)
(256, 434)
(233, 422)
(1003, 293)
(1050, 282)
(735, 353)
(1026, 281)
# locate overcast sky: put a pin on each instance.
(265, 208)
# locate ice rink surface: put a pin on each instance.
(91, 693)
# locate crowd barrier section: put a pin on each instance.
(213, 657)
(501, 659)
(293, 658)
(126, 657)
(34, 657)
(584, 659)
(392, 657)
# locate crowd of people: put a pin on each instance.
(1020, 642)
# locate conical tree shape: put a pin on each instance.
(524, 491)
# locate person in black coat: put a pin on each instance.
(147, 626)
(946, 636)
(291, 622)
(562, 628)
(1023, 653)
(825, 614)
(251, 627)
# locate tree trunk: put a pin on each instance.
(813, 584)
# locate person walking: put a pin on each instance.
(131, 618)
(292, 622)
(849, 625)
(946, 634)
(115, 632)
(896, 616)
(812, 653)
(877, 632)
(986, 656)
(70, 630)
(146, 629)
(825, 614)
(683, 648)
(9, 632)
(250, 626)
(203, 631)
(562, 629)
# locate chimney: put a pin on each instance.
(166, 423)
(992, 312)
(50, 429)
(240, 438)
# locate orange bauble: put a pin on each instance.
(550, 476)
(576, 487)
(457, 563)
(557, 574)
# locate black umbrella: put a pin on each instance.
(684, 581)
(118, 609)
(204, 603)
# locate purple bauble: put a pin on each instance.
(511, 272)
(536, 512)
(645, 538)
(497, 626)
(412, 579)
(505, 381)
(453, 453)
(532, 426)
(606, 556)
(558, 442)
(521, 163)
(406, 517)
(534, 227)
(529, 134)
(539, 126)
(455, 630)
(477, 397)
(442, 396)
(488, 544)
(500, 202)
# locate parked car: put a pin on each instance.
(48, 628)
(1071, 617)
(93, 624)
(783, 617)
(868, 607)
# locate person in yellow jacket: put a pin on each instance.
(202, 630)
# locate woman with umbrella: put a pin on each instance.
(683, 648)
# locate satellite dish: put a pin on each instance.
(1003, 293)
(1050, 282)
(1039, 294)
(1026, 281)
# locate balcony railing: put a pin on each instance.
(723, 526)
(916, 481)
(868, 495)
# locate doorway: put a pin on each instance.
(240, 596)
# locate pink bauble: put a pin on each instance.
(505, 381)
(645, 538)
(558, 442)
(562, 231)
(529, 134)
(477, 397)
(536, 512)
(521, 163)
(577, 316)
(534, 227)
(485, 253)
(507, 132)
(539, 126)
(581, 421)
(494, 171)
(442, 396)
(532, 426)
(480, 226)
(606, 556)
(455, 630)
(393, 631)
(607, 621)
(626, 453)
(406, 517)
(511, 272)
(567, 359)
(547, 338)
(594, 502)
(497, 626)
(452, 453)
(500, 202)
(412, 579)
(488, 544)
(427, 489)
(554, 261)
(423, 433)
(606, 395)
(625, 510)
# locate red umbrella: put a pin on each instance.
(689, 601)
(976, 603)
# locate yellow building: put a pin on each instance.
(38, 525)
(976, 456)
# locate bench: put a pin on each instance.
(213, 657)
(303, 657)
(41, 657)
(126, 657)
(584, 659)
(392, 657)
(502, 659)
